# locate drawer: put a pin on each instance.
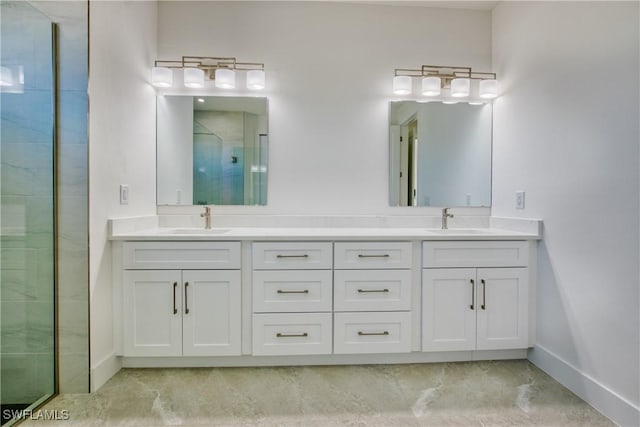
(181, 255)
(367, 255)
(291, 291)
(388, 332)
(291, 334)
(372, 290)
(292, 256)
(475, 254)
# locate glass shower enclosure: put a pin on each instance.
(27, 209)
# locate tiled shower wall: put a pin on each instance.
(27, 279)
(72, 215)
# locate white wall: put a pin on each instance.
(121, 147)
(175, 150)
(566, 132)
(454, 154)
(329, 70)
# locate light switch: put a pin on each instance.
(124, 194)
(519, 199)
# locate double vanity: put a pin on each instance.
(241, 296)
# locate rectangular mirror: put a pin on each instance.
(440, 154)
(212, 150)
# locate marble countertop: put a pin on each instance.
(323, 233)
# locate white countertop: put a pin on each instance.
(323, 233)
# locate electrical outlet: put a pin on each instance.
(519, 199)
(124, 194)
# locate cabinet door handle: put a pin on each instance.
(373, 256)
(186, 298)
(484, 294)
(473, 294)
(175, 285)
(373, 333)
(305, 291)
(280, 335)
(365, 291)
(292, 256)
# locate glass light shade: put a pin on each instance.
(225, 78)
(460, 87)
(161, 77)
(402, 85)
(193, 78)
(488, 89)
(255, 80)
(431, 86)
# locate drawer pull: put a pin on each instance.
(175, 285)
(373, 256)
(306, 291)
(302, 335)
(373, 333)
(366, 291)
(292, 256)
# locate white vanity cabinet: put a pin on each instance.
(475, 296)
(372, 297)
(292, 298)
(330, 298)
(181, 312)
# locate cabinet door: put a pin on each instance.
(153, 317)
(211, 319)
(502, 307)
(448, 309)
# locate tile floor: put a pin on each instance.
(438, 394)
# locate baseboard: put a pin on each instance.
(596, 394)
(104, 370)
(318, 360)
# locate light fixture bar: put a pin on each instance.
(447, 74)
(210, 65)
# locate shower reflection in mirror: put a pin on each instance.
(212, 150)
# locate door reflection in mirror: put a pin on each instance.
(439, 154)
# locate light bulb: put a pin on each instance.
(255, 79)
(431, 86)
(460, 87)
(225, 78)
(193, 78)
(161, 77)
(402, 85)
(488, 89)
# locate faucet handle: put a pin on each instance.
(445, 212)
(207, 212)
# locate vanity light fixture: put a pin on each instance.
(460, 87)
(197, 68)
(402, 85)
(193, 78)
(457, 80)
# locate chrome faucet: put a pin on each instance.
(445, 217)
(207, 217)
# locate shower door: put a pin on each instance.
(27, 206)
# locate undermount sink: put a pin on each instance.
(199, 230)
(459, 231)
